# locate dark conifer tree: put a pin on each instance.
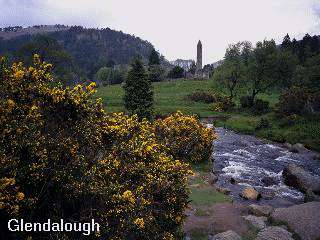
(138, 97)
(286, 43)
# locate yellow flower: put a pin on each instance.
(139, 222)
(18, 74)
(127, 195)
(20, 196)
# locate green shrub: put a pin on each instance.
(263, 124)
(246, 101)
(260, 106)
(296, 100)
(223, 104)
(288, 121)
(202, 96)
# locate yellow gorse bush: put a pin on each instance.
(185, 137)
(62, 156)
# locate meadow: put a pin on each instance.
(170, 96)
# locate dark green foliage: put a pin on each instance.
(202, 96)
(156, 73)
(176, 72)
(108, 75)
(50, 51)
(263, 124)
(296, 100)
(260, 106)
(154, 58)
(138, 97)
(289, 121)
(246, 101)
(286, 44)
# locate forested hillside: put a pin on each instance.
(77, 53)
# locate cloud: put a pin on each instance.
(175, 26)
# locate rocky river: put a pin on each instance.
(241, 161)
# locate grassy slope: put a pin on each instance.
(170, 97)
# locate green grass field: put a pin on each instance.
(170, 97)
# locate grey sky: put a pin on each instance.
(175, 26)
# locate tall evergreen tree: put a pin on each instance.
(138, 97)
(286, 43)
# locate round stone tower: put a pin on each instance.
(199, 58)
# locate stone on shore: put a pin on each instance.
(260, 210)
(303, 219)
(274, 233)
(229, 235)
(257, 222)
(250, 193)
(297, 177)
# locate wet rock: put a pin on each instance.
(229, 235)
(225, 191)
(250, 193)
(267, 194)
(287, 145)
(274, 233)
(300, 179)
(298, 148)
(212, 178)
(258, 222)
(303, 219)
(260, 210)
(269, 181)
(233, 181)
(311, 197)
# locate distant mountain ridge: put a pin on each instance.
(89, 48)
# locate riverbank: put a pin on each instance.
(241, 162)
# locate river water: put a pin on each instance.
(251, 161)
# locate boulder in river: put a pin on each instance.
(303, 219)
(229, 235)
(274, 233)
(311, 197)
(269, 181)
(298, 148)
(300, 179)
(250, 193)
(260, 210)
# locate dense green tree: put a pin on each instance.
(104, 75)
(262, 68)
(286, 43)
(138, 97)
(231, 72)
(156, 73)
(176, 72)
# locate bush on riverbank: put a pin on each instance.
(62, 156)
(185, 137)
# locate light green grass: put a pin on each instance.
(169, 97)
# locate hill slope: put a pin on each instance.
(89, 49)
